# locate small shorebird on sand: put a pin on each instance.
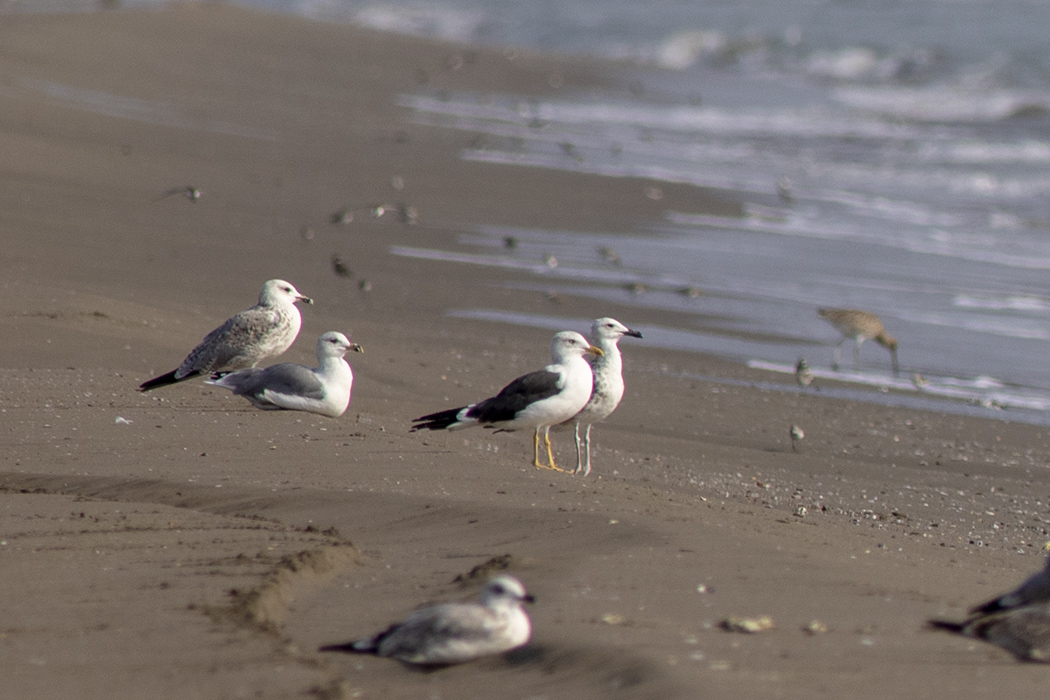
(796, 436)
(803, 374)
(858, 325)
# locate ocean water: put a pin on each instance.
(891, 155)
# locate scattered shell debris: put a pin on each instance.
(749, 625)
(815, 627)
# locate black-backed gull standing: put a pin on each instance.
(536, 400)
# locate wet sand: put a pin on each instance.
(184, 544)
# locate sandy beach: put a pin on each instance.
(182, 544)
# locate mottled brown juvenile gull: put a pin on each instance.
(455, 632)
(1018, 621)
(324, 390)
(608, 386)
(536, 400)
(265, 330)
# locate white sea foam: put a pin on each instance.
(432, 21)
(1003, 303)
(683, 49)
(943, 104)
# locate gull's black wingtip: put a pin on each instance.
(167, 380)
(162, 380)
(346, 647)
(437, 421)
(360, 646)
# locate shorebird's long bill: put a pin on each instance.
(595, 351)
(356, 348)
(634, 334)
(305, 300)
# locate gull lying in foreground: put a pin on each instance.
(608, 385)
(324, 390)
(455, 632)
(536, 400)
(265, 330)
(1018, 621)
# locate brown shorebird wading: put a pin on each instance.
(858, 325)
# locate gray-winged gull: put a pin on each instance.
(324, 390)
(1018, 621)
(608, 386)
(455, 632)
(265, 330)
(536, 400)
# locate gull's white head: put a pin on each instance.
(505, 590)
(281, 292)
(610, 329)
(335, 344)
(568, 344)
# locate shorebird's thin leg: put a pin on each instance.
(837, 356)
(856, 353)
(536, 450)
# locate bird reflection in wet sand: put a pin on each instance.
(189, 192)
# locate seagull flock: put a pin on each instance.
(581, 386)
(571, 391)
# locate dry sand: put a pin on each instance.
(182, 544)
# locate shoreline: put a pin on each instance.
(698, 508)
